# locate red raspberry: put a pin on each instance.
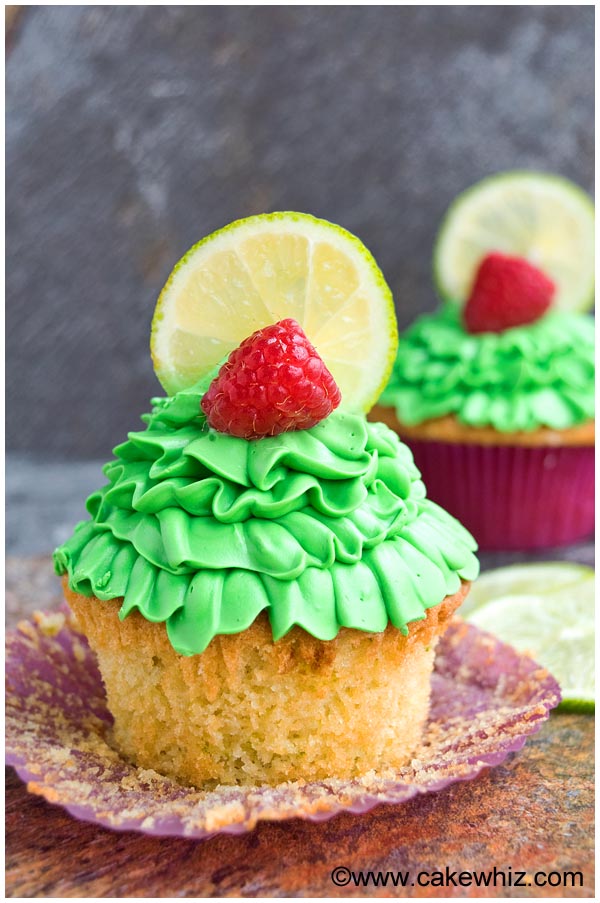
(273, 382)
(508, 291)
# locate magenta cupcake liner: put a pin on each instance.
(511, 496)
(486, 699)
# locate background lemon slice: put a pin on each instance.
(262, 269)
(546, 609)
(544, 218)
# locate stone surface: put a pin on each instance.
(44, 501)
(133, 131)
(533, 814)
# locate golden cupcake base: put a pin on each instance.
(250, 711)
(449, 429)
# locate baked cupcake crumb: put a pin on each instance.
(250, 711)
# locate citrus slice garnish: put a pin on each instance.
(266, 268)
(547, 610)
(544, 218)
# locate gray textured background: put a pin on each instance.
(133, 131)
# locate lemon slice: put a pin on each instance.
(544, 218)
(547, 610)
(259, 270)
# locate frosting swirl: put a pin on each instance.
(324, 528)
(531, 376)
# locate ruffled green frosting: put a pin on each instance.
(323, 528)
(537, 375)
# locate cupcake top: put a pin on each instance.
(509, 348)
(258, 485)
(324, 528)
(521, 378)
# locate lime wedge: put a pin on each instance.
(259, 270)
(546, 610)
(545, 218)
(524, 579)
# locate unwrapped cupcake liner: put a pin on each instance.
(512, 496)
(486, 699)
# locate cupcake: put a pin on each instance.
(494, 393)
(263, 579)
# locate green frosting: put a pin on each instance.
(537, 375)
(323, 528)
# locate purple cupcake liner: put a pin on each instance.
(486, 700)
(511, 496)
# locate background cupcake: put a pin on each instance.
(494, 392)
